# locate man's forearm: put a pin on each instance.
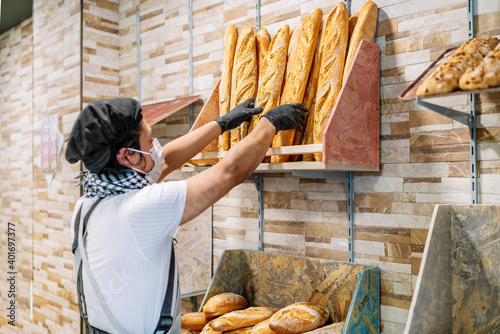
(182, 149)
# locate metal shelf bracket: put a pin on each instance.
(458, 116)
(347, 177)
(259, 184)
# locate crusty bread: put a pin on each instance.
(194, 321)
(310, 99)
(334, 46)
(244, 78)
(446, 77)
(297, 74)
(335, 328)
(230, 39)
(353, 19)
(262, 41)
(298, 318)
(364, 29)
(263, 328)
(485, 75)
(243, 318)
(272, 72)
(224, 303)
(209, 329)
(191, 332)
(246, 330)
(292, 46)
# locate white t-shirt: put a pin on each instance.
(128, 247)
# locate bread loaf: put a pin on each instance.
(230, 39)
(298, 68)
(353, 19)
(246, 330)
(271, 76)
(310, 99)
(364, 29)
(244, 78)
(263, 328)
(485, 75)
(334, 46)
(243, 318)
(335, 328)
(292, 46)
(209, 329)
(194, 321)
(262, 40)
(192, 332)
(224, 303)
(447, 76)
(298, 318)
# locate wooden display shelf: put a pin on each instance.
(349, 292)
(351, 140)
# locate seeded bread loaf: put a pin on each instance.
(272, 72)
(334, 46)
(244, 78)
(297, 74)
(194, 321)
(446, 77)
(230, 39)
(243, 318)
(298, 318)
(485, 75)
(363, 29)
(224, 303)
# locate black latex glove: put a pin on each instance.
(287, 116)
(241, 113)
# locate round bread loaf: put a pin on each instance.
(194, 321)
(224, 303)
(298, 318)
(243, 318)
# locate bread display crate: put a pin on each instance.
(458, 286)
(349, 292)
(351, 140)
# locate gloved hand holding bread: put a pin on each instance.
(241, 113)
(287, 116)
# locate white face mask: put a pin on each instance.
(156, 154)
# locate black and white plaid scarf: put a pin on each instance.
(105, 185)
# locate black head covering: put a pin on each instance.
(99, 128)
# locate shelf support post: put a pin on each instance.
(472, 108)
(347, 177)
(259, 184)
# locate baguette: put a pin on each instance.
(244, 78)
(209, 329)
(263, 328)
(298, 68)
(310, 98)
(364, 29)
(335, 328)
(246, 330)
(271, 77)
(243, 318)
(485, 75)
(194, 321)
(262, 40)
(336, 31)
(230, 40)
(224, 303)
(298, 318)
(446, 78)
(353, 19)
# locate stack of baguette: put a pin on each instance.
(469, 62)
(306, 66)
(228, 313)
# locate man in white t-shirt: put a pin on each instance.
(126, 220)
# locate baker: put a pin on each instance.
(123, 226)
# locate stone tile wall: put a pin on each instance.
(424, 156)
